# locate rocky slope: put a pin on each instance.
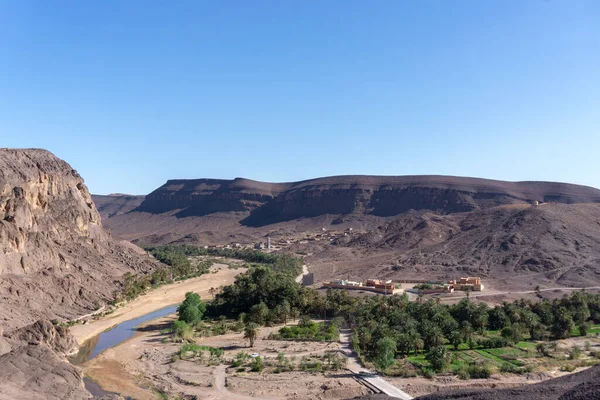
(553, 244)
(56, 262)
(584, 385)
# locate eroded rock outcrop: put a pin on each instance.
(56, 260)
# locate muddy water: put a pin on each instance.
(110, 338)
(116, 335)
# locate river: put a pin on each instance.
(110, 338)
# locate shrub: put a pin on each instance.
(182, 331)
(495, 342)
(428, 373)
(568, 368)
(257, 364)
(479, 371)
(574, 353)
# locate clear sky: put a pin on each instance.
(132, 93)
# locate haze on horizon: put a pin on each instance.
(133, 94)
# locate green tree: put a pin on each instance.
(456, 339)
(192, 309)
(439, 358)
(251, 332)
(386, 350)
(563, 324)
(259, 313)
(583, 328)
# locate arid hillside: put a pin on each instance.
(511, 247)
(56, 260)
(116, 204)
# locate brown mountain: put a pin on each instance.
(384, 196)
(56, 261)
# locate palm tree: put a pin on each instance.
(251, 332)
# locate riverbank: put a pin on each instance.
(219, 275)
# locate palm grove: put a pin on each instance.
(388, 327)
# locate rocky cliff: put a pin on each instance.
(56, 260)
(383, 196)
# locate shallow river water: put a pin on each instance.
(110, 338)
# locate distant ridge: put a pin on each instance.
(384, 196)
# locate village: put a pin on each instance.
(272, 244)
(381, 286)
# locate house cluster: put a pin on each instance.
(470, 283)
(371, 285)
(464, 284)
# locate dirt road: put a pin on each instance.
(472, 295)
(368, 376)
(158, 298)
(304, 272)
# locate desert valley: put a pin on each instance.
(89, 287)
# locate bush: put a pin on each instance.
(257, 364)
(474, 371)
(182, 331)
(574, 353)
(568, 368)
(428, 373)
(479, 371)
(495, 342)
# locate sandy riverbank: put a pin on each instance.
(144, 361)
(158, 298)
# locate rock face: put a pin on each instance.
(43, 332)
(269, 203)
(56, 260)
(36, 372)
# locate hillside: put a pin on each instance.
(56, 262)
(116, 204)
(510, 247)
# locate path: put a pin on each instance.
(304, 272)
(220, 386)
(370, 377)
(472, 295)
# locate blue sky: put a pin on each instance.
(133, 93)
